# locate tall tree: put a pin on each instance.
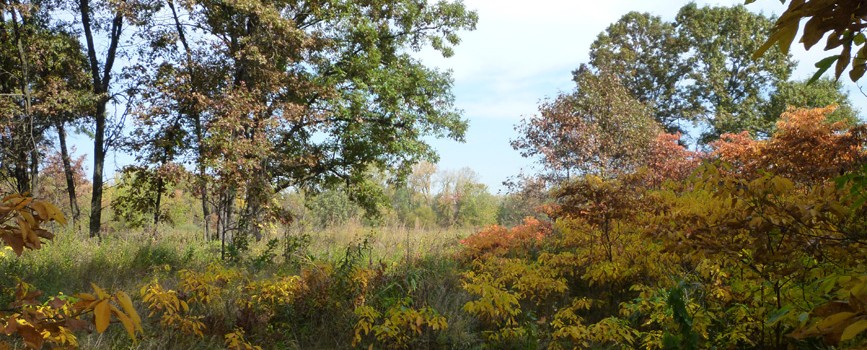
(280, 94)
(45, 87)
(647, 54)
(728, 84)
(599, 128)
(103, 18)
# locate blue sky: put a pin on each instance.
(520, 53)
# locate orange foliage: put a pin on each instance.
(496, 240)
(668, 160)
(805, 148)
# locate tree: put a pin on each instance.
(54, 180)
(526, 196)
(804, 94)
(727, 82)
(842, 21)
(599, 128)
(463, 201)
(106, 18)
(667, 159)
(43, 86)
(421, 179)
(646, 54)
(302, 94)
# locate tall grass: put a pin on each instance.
(416, 262)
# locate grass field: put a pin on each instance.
(408, 263)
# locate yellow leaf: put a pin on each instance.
(23, 203)
(101, 315)
(41, 211)
(85, 296)
(54, 213)
(29, 217)
(126, 303)
(125, 321)
(24, 227)
(853, 329)
(784, 35)
(834, 320)
(99, 291)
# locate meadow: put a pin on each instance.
(410, 261)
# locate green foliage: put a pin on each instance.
(729, 84)
(698, 68)
(134, 197)
(463, 201)
(685, 338)
(646, 54)
(332, 207)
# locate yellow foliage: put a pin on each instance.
(52, 322)
(202, 287)
(235, 341)
(843, 319)
(174, 312)
(398, 326)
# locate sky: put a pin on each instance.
(521, 54)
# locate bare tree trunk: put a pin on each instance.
(197, 121)
(98, 165)
(22, 180)
(23, 175)
(34, 170)
(161, 186)
(67, 171)
(101, 82)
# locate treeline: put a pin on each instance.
(428, 198)
(249, 98)
(756, 245)
(694, 77)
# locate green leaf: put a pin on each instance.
(777, 315)
(823, 66)
(859, 39)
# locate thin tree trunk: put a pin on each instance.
(22, 180)
(23, 175)
(161, 186)
(34, 171)
(67, 171)
(197, 122)
(98, 165)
